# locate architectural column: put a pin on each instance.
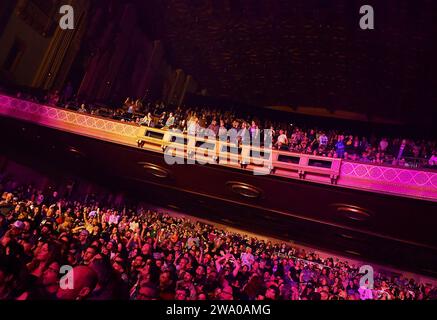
(54, 61)
(150, 70)
(173, 82)
(73, 49)
(184, 90)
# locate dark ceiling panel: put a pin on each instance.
(304, 52)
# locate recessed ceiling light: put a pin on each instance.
(346, 236)
(75, 151)
(353, 252)
(155, 170)
(352, 212)
(172, 206)
(244, 189)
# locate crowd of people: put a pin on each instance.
(396, 151)
(138, 254)
(294, 138)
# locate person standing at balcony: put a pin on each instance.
(339, 146)
(364, 144)
(53, 98)
(214, 127)
(254, 133)
(192, 131)
(383, 144)
(193, 126)
(222, 132)
(401, 151)
(282, 141)
(348, 142)
(323, 140)
(170, 121)
(130, 110)
(202, 122)
(433, 160)
(244, 137)
(147, 120)
(138, 105)
(223, 138)
(233, 133)
(311, 136)
(82, 109)
(356, 145)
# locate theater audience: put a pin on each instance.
(303, 138)
(134, 253)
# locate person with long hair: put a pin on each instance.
(45, 287)
(44, 254)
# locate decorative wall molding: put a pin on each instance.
(10, 106)
(411, 182)
(391, 175)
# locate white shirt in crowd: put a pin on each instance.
(323, 140)
(247, 259)
(193, 128)
(282, 139)
(134, 226)
(222, 131)
(113, 219)
(92, 214)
